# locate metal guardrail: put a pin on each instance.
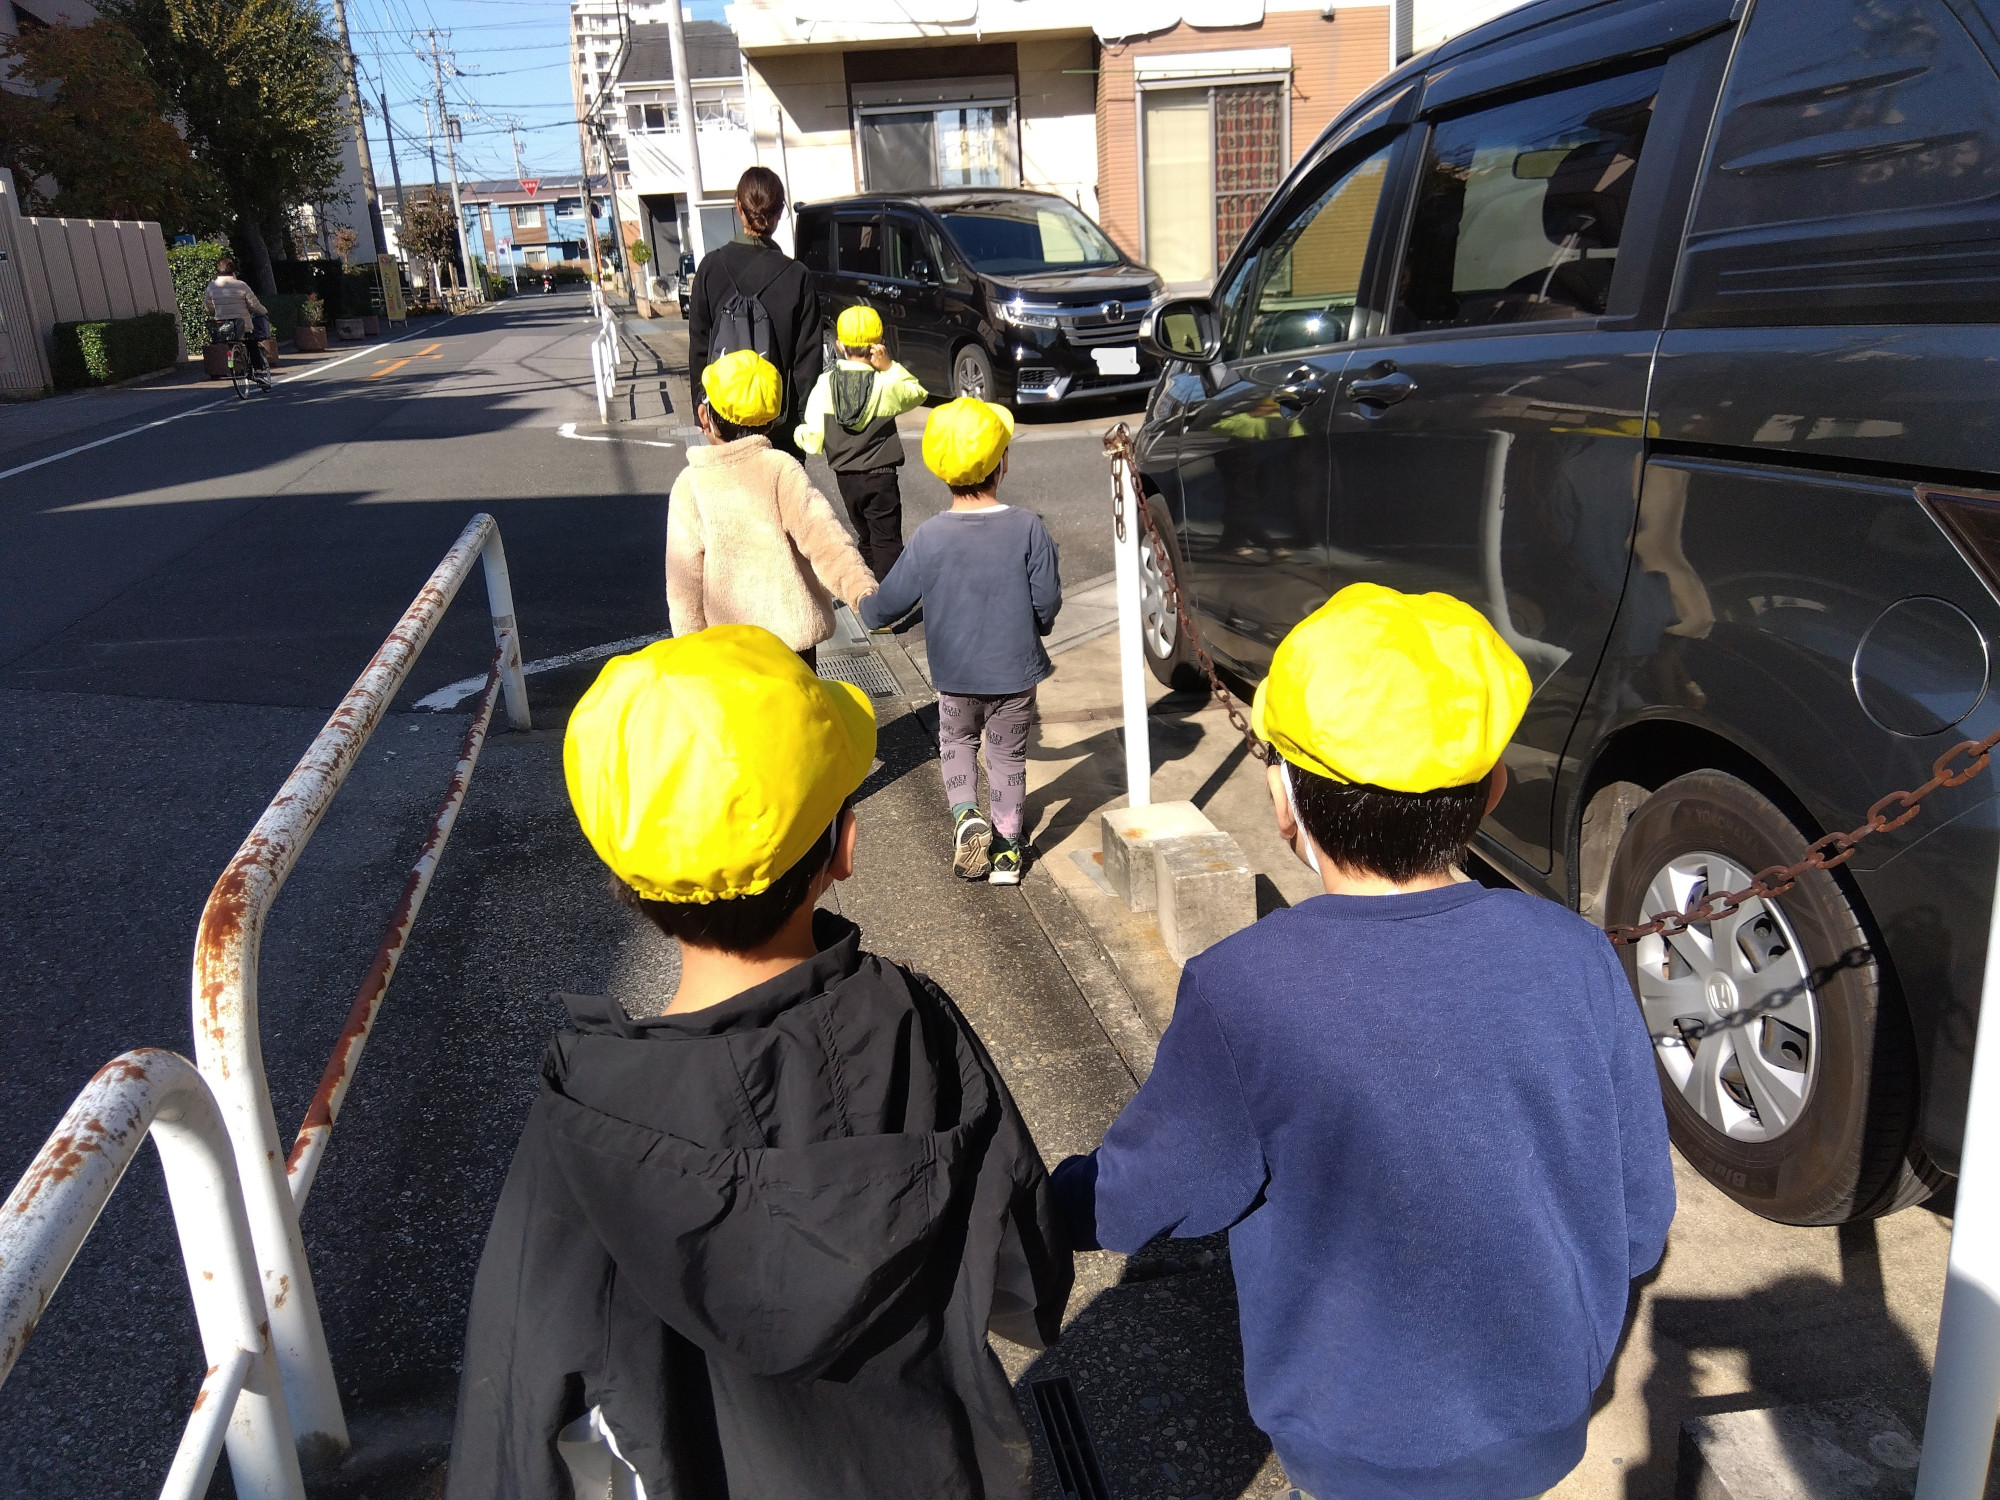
(603, 353)
(227, 1042)
(54, 1206)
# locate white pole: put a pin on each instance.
(1965, 1379)
(1132, 648)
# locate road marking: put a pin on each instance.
(568, 430)
(193, 411)
(391, 366)
(454, 693)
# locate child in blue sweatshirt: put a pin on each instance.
(1425, 1111)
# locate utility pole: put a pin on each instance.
(395, 170)
(430, 138)
(451, 161)
(597, 130)
(690, 142)
(513, 266)
(381, 240)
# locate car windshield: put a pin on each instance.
(1016, 236)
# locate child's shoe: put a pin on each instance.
(1006, 858)
(970, 835)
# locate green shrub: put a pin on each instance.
(192, 268)
(498, 287)
(358, 290)
(286, 308)
(103, 352)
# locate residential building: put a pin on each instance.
(653, 198)
(513, 229)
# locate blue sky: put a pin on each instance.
(512, 57)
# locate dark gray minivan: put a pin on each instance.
(1668, 333)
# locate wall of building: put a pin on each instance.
(1058, 118)
(810, 91)
(1333, 60)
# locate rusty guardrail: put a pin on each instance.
(52, 1209)
(227, 1042)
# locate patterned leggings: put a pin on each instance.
(1004, 721)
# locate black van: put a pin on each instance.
(1005, 295)
(1668, 333)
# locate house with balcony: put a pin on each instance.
(654, 200)
(518, 230)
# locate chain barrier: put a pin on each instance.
(1825, 853)
(1125, 479)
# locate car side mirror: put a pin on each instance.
(920, 270)
(1185, 329)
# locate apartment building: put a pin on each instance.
(654, 199)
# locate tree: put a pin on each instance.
(430, 228)
(256, 88)
(90, 139)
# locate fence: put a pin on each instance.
(603, 353)
(286, 1381)
(68, 270)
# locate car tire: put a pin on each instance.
(1168, 655)
(972, 373)
(1805, 1111)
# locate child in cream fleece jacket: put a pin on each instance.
(750, 540)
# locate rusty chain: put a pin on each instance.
(1825, 853)
(1125, 479)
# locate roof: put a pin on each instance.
(508, 190)
(938, 200)
(711, 48)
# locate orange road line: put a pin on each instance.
(393, 367)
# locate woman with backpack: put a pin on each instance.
(749, 294)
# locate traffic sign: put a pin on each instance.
(531, 185)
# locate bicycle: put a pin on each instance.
(245, 369)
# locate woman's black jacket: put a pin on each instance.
(758, 267)
(768, 1239)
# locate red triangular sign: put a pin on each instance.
(529, 185)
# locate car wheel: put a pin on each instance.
(1168, 655)
(1785, 1058)
(972, 373)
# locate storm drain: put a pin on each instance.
(1068, 1436)
(864, 669)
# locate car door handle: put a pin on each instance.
(1380, 390)
(884, 291)
(1302, 385)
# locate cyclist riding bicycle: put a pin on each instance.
(230, 300)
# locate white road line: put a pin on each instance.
(568, 430)
(195, 411)
(454, 693)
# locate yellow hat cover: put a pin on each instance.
(964, 439)
(704, 767)
(743, 388)
(1405, 691)
(858, 327)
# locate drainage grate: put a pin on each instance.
(1068, 1437)
(864, 669)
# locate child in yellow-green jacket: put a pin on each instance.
(851, 417)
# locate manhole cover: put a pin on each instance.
(865, 670)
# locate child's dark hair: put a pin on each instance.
(1400, 836)
(990, 485)
(744, 923)
(730, 431)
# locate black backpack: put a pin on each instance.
(743, 322)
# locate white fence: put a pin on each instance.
(65, 271)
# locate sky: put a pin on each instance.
(512, 61)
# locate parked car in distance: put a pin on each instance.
(1662, 331)
(685, 279)
(1005, 295)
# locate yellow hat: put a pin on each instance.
(858, 327)
(743, 387)
(704, 767)
(1405, 691)
(964, 439)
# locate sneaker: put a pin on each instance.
(970, 835)
(1006, 862)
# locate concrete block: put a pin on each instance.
(1206, 890)
(1127, 836)
(1826, 1450)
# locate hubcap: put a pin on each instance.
(971, 379)
(1156, 615)
(1730, 1004)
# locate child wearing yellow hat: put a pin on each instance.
(851, 418)
(1425, 1111)
(750, 540)
(988, 579)
(759, 1238)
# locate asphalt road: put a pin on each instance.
(178, 609)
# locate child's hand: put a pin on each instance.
(878, 356)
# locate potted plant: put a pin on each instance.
(639, 253)
(310, 336)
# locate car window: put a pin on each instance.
(906, 257)
(942, 257)
(1023, 236)
(1299, 290)
(860, 246)
(815, 244)
(1520, 208)
(1855, 171)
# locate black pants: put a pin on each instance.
(875, 504)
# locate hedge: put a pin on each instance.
(308, 276)
(358, 291)
(103, 352)
(192, 268)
